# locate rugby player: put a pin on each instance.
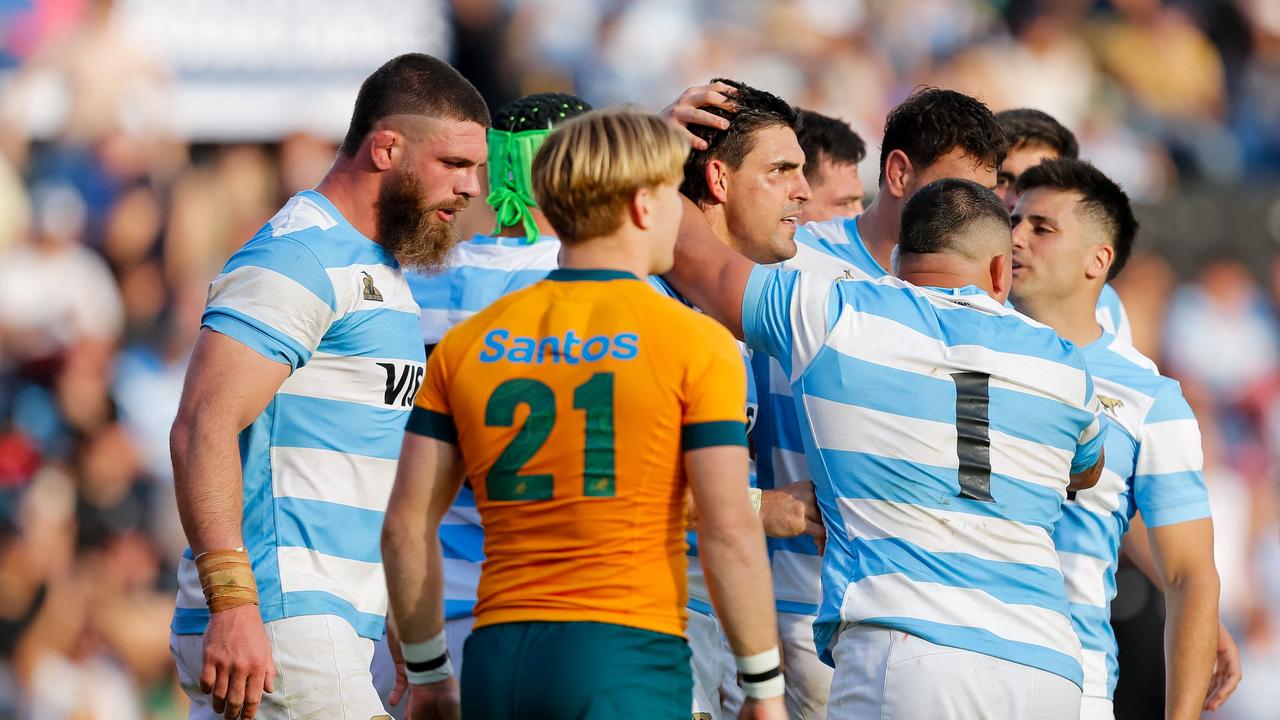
(290, 422)
(1073, 231)
(748, 184)
(943, 596)
(832, 151)
(521, 251)
(1035, 136)
(579, 406)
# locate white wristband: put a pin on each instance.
(754, 494)
(761, 674)
(428, 661)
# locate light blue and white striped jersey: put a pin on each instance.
(834, 249)
(1153, 466)
(480, 271)
(940, 429)
(318, 464)
(699, 595)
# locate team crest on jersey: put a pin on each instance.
(1111, 404)
(370, 292)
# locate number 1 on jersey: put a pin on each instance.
(973, 439)
(594, 397)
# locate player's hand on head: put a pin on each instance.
(769, 709)
(238, 666)
(792, 510)
(437, 701)
(1226, 671)
(687, 110)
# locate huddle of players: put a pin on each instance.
(940, 444)
(1002, 600)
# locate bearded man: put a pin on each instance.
(302, 377)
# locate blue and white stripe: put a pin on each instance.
(834, 249)
(480, 271)
(318, 464)
(870, 365)
(1153, 466)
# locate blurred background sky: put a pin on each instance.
(142, 141)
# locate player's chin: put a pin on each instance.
(784, 242)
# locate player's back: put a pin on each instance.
(480, 271)
(571, 400)
(942, 430)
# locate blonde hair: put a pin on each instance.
(590, 167)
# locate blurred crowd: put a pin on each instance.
(113, 222)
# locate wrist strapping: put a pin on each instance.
(428, 661)
(226, 577)
(761, 674)
(755, 495)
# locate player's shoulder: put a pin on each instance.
(505, 253)
(309, 222)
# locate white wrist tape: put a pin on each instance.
(428, 661)
(761, 674)
(754, 494)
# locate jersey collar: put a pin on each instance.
(574, 274)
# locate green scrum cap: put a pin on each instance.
(519, 129)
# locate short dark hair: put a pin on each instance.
(933, 122)
(1026, 127)
(1100, 197)
(823, 137)
(941, 210)
(757, 110)
(413, 84)
(539, 111)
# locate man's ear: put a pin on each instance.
(1101, 257)
(717, 177)
(640, 209)
(384, 148)
(898, 173)
(1001, 271)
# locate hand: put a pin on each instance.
(437, 701)
(770, 709)
(1226, 671)
(685, 111)
(238, 666)
(402, 677)
(792, 510)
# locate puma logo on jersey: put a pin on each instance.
(370, 292)
(1111, 404)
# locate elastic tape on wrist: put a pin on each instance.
(428, 661)
(761, 674)
(755, 494)
(226, 577)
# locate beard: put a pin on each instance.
(408, 226)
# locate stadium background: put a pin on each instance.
(141, 142)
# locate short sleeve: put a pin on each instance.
(1168, 479)
(431, 415)
(715, 394)
(1091, 439)
(275, 297)
(788, 314)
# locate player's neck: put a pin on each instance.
(719, 222)
(617, 251)
(353, 195)
(1074, 318)
(878, 227)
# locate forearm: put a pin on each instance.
(736, 566)
(413, 562)
(207, 482)
(1190, 639)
